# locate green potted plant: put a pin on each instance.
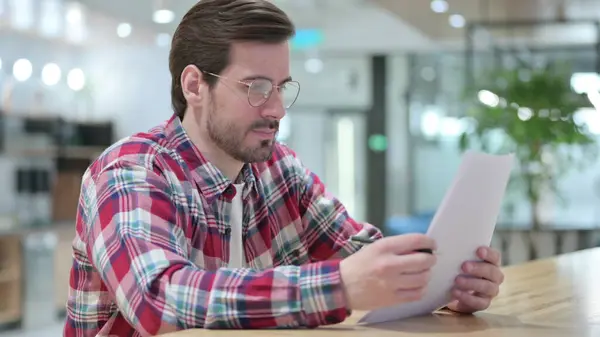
(533, 114)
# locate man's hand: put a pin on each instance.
(474, 290)
(387, 272)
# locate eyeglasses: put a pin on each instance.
(260, 90)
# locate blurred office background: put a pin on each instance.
(390, 90)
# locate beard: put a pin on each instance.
(229, 137)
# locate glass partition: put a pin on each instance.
(438, 116)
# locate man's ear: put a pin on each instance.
(192, 84)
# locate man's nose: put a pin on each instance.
(274, 107)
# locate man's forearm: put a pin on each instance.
(289, 296)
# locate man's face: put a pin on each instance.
(245, 132)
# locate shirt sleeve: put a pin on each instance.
(327, 225)
(136, 240)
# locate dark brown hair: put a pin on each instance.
(206, 32)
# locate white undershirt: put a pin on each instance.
(236, 246)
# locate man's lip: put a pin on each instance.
(265, 131)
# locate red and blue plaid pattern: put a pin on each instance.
(152, 243)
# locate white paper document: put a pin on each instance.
(464, 221)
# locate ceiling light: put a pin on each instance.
(439, 6)
(76, 79)
(124, 30)
(74, 14)
(163, 16)
(75, 27)
(22, 70)
(51, 74)
(457, 21)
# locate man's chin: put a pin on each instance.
(265, 153)
(259, 153)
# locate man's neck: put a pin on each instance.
(229, 167)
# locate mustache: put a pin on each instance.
(265, 123)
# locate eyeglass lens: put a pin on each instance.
(260, 91)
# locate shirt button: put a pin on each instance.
(230, 192)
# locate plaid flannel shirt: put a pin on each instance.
(152, 243)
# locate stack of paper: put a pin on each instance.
(464, 221)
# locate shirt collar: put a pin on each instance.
(209, 179)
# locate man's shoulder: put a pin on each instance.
(139, 149)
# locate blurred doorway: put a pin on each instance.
(345, 155)
(332, 144)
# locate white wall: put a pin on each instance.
(130, 85)
(343, 82)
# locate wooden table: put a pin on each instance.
(559, 296)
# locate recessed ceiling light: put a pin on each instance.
(163, 16)
(75, 26)
(74, 14)
(51, 74)
(76, 79)
(457, 20)
(22, 70)
(439, 6)
(124, 30)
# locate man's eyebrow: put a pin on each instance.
(260, 77)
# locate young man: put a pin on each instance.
(206, 221)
